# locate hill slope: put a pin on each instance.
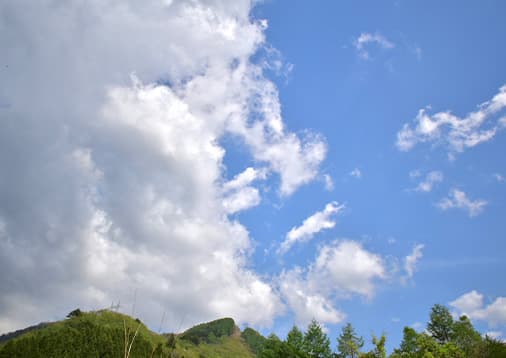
(111, 334)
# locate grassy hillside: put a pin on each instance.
(110, 334)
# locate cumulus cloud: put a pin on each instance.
(455, 133)
(457, 199)
(412, 259)
(340, 270)
(112, 182)
(365, 40)
(307, 303)
(472, 305)
(317, 222)
(431, 179)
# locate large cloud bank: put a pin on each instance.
(112, 180)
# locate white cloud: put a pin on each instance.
(457, 199)
(366, 39)
(240, 200)
(238, 194)
(456, 133)
(472, 305)
(356, 173)
(340, 270)
(431, 179)
(121, 182)
(244, 179)
(317, 222)
(348, 267)
(411, 260)
(304, 302)
(329, 183)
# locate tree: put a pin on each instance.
(379, 350)
(440, 325)
(348, 343)
(494, 347)
(316, 343)
(466, 337)
(295, 338)
(275, 348)
(408, 344)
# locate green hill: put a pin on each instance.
(110, 334)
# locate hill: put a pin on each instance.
(110, 334)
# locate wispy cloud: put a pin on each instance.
(431, 179)
(457, 199)
(499, 177)
(456, 133)
(317, 222)
(365, 40)
(356, 173)
(328, 182)
(412, 259)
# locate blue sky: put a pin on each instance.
(272, 162)
(446, 56)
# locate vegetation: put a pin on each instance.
(254, 340)
(348, 343)
(110, 334)
(210, 332)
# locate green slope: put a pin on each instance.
(106, 334)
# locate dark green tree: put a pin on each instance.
(348, 343)
(493, 348)
(316, 343)
(440, 325)
(295, 338)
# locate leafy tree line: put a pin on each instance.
(443, 338)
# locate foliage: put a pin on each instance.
(440, 325)
(493, 348)
(275, 348)
(348, 343)
(210, 331)
(254, 340)
(106, 334)
(295, 339)
(466, 337)
(316, 343)
(379, 350)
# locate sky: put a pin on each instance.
(272, 161)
